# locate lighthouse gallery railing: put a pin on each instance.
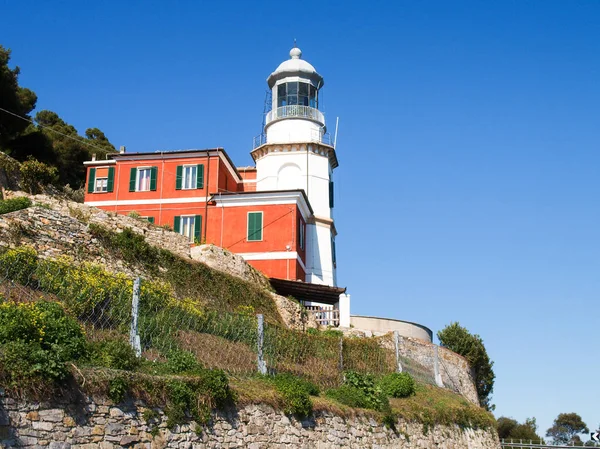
(295, 110)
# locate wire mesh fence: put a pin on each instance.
(156, 322)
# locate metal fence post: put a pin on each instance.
(134, 338)
(436, 368)
(397, 343)
(341, 354)
(262, 365)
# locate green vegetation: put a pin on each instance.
(36, 174)
(14, 204)
(176, 335)
(296, 393)
(398, 385)
(566, 429)
(458, 339)
(36, 341)
(360, 390)
(510, 429)
(431, 406)
(187, 279)
(50, 140)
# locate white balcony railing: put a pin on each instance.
(295, 111)
(324, 316)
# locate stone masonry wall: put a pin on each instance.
(98, 424)
(454, 369)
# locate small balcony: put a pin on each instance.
(295, 111)
(324, 138)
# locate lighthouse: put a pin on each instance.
(295, 152)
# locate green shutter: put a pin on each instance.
(177, 224)
(197, 228)
(132, 175)
(200, 176)
(151, 220)
(91, 180)
(333, 251)
(179, 177)
(153, 172)
(254, 226)
(330, 194)
(110, 183)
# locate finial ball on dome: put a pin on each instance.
(295, 53)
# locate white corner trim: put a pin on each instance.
(195, 199)
(275, 255)
(264, 199)
(102, 162)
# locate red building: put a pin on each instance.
(202, 195)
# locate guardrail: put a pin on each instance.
(325, 138)
(518, 444)
(324, 316)
(295, 111)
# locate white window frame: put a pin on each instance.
(191, 223)
(138, 178)
(262, 227)
(103, 188)
(184, 178)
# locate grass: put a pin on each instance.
(432, 405)
(188, 278)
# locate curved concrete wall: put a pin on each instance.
(380, 326)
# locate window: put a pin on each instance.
(331, 194)
(333, 259)
(142, 179)
(255, 226)
(189, 226)
(297, 92)
(301, 231)
(101, 180)
(142, 183)
(101, 185)
(190, 177)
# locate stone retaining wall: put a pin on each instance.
(454, 369)
(98, 424)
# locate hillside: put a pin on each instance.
(197, 330)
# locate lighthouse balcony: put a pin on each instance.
(316, 136)
(295, 111)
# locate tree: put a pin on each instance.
(14, 98)
(458, 339)
(50, 140)
(566, 429)
(509, 428)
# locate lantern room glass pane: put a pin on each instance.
(292, 88)
(302, 89)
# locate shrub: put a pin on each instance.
(19, 264)
(14, 204)
(35, 174)
(398, 385)
(116, 354)
(74, 195)
(182, 362)
(117, 389)
(360, 390)
(37, 339)
(350, 396)
(296, 394)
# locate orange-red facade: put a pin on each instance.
(203, 196)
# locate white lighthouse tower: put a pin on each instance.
(295, 152)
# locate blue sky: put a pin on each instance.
(468, 143)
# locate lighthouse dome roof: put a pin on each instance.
(295, 66)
